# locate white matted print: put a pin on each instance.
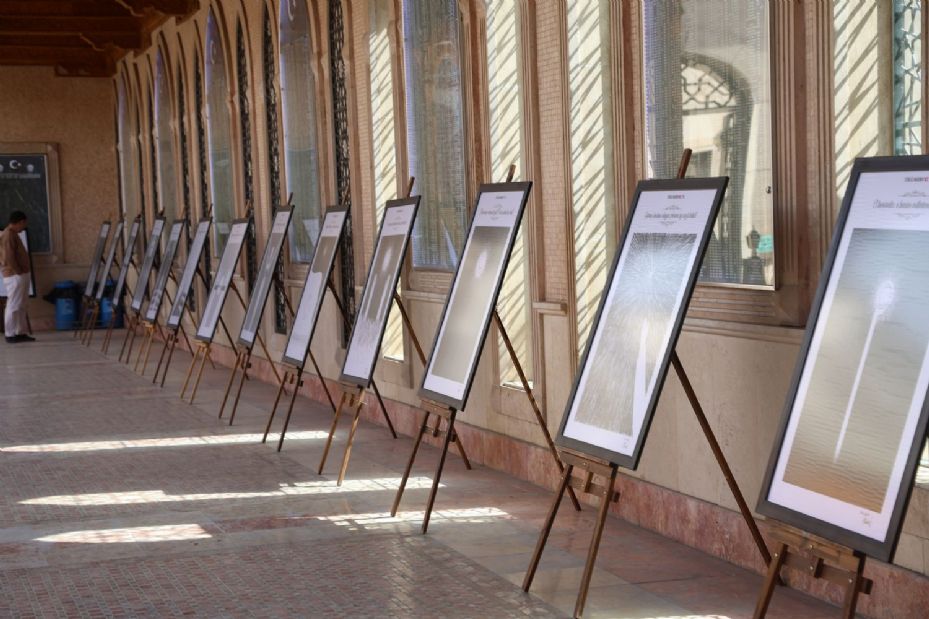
(164, 271)
(217, 298)
(108, 264)
(314, 289)
(190, 270)
(148, 261)
(378, 294)
(473, 297)
(97, 257)
(855, 417)
(126, 260)
(269, 259)
(638, 322)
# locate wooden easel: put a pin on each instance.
(203, 353)
(818, 559)
(449, 414)
(355, 395)
(294, 376)
(172, 338)
(151, 329)
(608, 470)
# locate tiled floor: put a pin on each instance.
(118, 499)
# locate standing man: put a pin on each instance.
(15, 267)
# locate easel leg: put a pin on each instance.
(298, 381)
(770, 581)
(594, 546)
(380, 400)
(203, 360)
(449, 433)
(161, 356)
(129, 327)
(332, 429)
(146, 343)
(105, 348)
(322, 380)
(852, 590)
(238, 394)
(148, 350)
(170, 355)
(461, 451)
(132, 335)
(721, 459)
(93, 323)
(546, 529)
(190, 371)
(277, 400)
(235, 368)
(357, 402)
(409, 465)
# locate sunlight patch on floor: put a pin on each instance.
(147, 443)
(475, 515)
(296, 489)
(132, 535)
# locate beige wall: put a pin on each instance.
(76, 114)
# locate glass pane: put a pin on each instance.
(298, 106)
(504, 85)
(384, 144)
(435, 129)
(908, 77)
(708, 88)
(167, 178)
(219, 130)
(592, 182)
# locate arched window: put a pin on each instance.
(269, 62)
(592, 176)
(435, 129)
(245, 124)
(301, 149)
(505, 104)
(126, 145)
(154, 202)
(164, 140)
(183, 134)
(219, 130)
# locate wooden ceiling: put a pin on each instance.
(81, 38)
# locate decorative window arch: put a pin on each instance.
(299, 107)
(153, 153)
(203, 167)
(184, 138)
(126, 147)
(219, 132)
(245, 126)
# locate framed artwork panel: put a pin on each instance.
(256, 305)
(224, 273)
(185, 285)
(148, 262)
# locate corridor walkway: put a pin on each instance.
(119, 500)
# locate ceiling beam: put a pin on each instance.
(165, 7)
(62, 8)
(122, 40)
(50, 25)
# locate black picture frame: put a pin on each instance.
(289, 359)
(454, 402)
(128, 252)
(882, 550)
(225, 271)
(110, 256)
(102, 237)
(185, 284)
(251, 321)
(148, 262)
(365, 381)
(718, 184)
(156, 298)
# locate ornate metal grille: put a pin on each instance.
(269, 59)
(340, 107)
(205, 209)
(908, 78)
(245, 123)
(152, 153)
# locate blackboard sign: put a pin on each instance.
(24, 187)
(256, 305)
(471, 303)
(214, 304)
(24, 237)
(854, 424)
(95, 260)
(298, 344)
(127, 258)
(640, 317)
(110, 256)
(378, 295)
(148, 262)
(190, 270)
(164, 271)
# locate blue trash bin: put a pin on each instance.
(106, 313)
(67, 305)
